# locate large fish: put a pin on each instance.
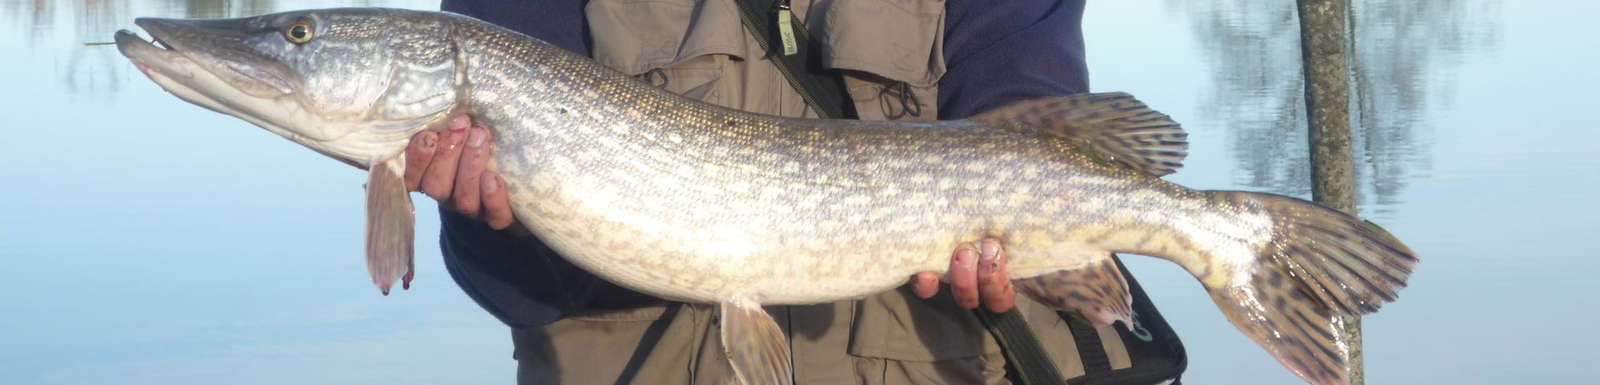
(699, 203)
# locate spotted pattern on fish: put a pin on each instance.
(1096, 291)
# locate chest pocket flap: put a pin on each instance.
(900, 40)
(689, 41)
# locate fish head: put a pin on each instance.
(353, 84)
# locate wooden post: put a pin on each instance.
(1323, 43)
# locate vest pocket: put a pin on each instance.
(891, 53)
(898, 40)
(683, 46)
(899, 339)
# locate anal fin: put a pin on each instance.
(1096, 291)
(755, 346)
(391, 225)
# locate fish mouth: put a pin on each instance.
(179, 49)
(217, 64)
(198, 61)
(144, 52)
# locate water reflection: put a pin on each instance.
(206, 9)
(94, 70)
(1404, 57)
(36, 15)
(1406, 54)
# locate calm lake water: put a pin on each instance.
(147, 241)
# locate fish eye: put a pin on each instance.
(299, 32)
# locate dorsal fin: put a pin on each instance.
(1113, 126)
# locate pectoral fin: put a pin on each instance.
(756, 347)
(1097, 291)
(390, 225)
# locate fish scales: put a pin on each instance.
(689, 201)
(719, 203)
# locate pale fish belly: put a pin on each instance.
(709, 232)
(685, 250)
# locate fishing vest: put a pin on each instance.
(890, 54)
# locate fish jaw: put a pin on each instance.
(184, 77)
(235, 67)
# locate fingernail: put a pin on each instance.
(964, 254)
(989, 250)
(491, 185)
(475, 137)
(459, 123)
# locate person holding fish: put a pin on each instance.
(910, 60)
(627, 163)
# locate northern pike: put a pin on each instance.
(693, 202)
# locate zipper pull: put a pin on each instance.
(785, 29)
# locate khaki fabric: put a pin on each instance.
(891, 53)
(700, 49)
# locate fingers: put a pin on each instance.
(439, 180)
(977, 276)
(418, 154)
(497, 206)
(452, 167)
(963, 276)
(925, 284)
(470, 167)
(994, 286)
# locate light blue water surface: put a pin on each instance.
(147, 241)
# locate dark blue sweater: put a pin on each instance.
(997, 53)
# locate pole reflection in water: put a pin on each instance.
(1404, 56)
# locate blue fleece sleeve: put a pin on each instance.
(1002, 52)
(558, 22)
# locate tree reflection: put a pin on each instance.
(1404, 54)
(92, 70)
(36, 16)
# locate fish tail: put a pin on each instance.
(1320, 265)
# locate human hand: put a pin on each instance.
(451, 166)
(977, 275)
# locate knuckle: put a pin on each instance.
(434, 190)
(964, 286)
(464, 207)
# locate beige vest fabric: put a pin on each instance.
(700, 48)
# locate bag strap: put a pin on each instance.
(1029, 361)
(1156, 353)
(823, 91)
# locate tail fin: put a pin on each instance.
(1320, 264)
